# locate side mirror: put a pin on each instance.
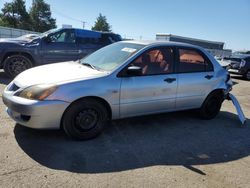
(134, 71)
(47, 39)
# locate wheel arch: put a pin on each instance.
(218, 91)
(99, 99)
(26, 54)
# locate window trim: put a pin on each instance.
(198, 51)
(122, 73)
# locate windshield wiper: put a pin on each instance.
(92, 66)
(89, 65)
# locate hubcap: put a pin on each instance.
(86, 119)
(18, 65)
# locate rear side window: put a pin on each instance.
(88, 40)
(109, 38)
(191, 60)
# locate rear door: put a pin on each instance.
(195, 78)
(155, 90)
(88, 41)
(60, 46)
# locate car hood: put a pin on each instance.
(13, 40)
(56, 74)
(18, 41)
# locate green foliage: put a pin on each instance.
(14, 14)
(41, 16)
(101, 24)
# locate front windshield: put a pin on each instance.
(111, 57)
(48, 32)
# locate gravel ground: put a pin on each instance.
(167, 150)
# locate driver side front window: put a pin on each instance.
(156, 61)
(63, 36)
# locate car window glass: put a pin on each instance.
(88, 40)
(156, 61)
(112, 56)
(63, 36)
(192, 61)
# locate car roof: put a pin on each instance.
(158, 42)
(87, 30)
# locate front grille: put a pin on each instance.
(13, 87)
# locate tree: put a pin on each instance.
(101, 24)
(14, 14)
(41, 16)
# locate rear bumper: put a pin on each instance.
(35, 114)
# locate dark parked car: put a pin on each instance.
(66, 44)
(239, 64)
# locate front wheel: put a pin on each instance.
(247, 75)
(211, 106)
(84, 119)
(16, 64)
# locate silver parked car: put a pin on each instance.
(125, 79)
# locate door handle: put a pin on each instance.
(209, 76)
(170, 80)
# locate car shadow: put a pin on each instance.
(166, 139)
(4, 79)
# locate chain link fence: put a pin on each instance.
(7, 32)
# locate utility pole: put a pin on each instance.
(83, 24)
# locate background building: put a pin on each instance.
(214, 47)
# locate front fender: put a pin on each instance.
(106, 88)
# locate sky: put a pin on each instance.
(216, 20)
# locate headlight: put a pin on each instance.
(242, 63)
(37, 92)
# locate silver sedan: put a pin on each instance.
(125, 79)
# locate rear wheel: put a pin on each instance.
(15, 64)
(211, 106)
(84, 119)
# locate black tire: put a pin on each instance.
(211, 106)
(15, 64)
(84, 119)
(247, 75)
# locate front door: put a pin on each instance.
(60, 46)
(155, 90)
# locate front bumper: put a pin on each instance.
(35, 114)
(236, 71)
